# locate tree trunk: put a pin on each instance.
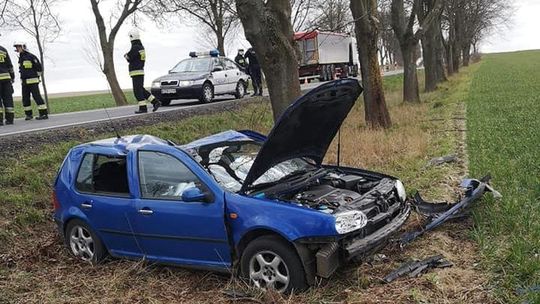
(432, 48)
(410, 78)
(376, 112)
(221, 43)
(268, 28)
(466, 53)
(110, 74)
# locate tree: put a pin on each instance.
(106, 42)
(218, 16)
(364, 14)
(301, 11)
(403, 22)
(432, 46)
(267, 26)
(332, 16)
(389, 52)
(36, 18)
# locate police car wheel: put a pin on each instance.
(240, 90)
(165, 102)
(207, 94)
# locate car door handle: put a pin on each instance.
(146, 211)
(225, 75)
(86, 205)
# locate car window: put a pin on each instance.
(230, 65)
(218, 62)
(163, 176)
(192, 65)
(103, 174)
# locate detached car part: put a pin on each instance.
(415, 268)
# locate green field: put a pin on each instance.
(503, 122)
(75, 103)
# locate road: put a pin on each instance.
(85, 117)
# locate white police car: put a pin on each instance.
(202, 76)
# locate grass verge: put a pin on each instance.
(503, 139)
(36, 268)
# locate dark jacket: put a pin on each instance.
(136, 58)
(252, 57)
(29, 67)
(6, 67)
(241, 61)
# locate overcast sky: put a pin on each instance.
(69, 70)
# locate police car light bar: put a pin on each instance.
(212, 53)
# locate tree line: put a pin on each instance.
(443, 34)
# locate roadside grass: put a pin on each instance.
(503, 139)
(75, 103)
(36, 268)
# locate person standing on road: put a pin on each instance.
(254, 71)
(30, 69)
(7, 76)
(136, 58)
(241, 60)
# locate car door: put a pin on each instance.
(233, 75)
(219, 75)
(171, 229)
(102, 194)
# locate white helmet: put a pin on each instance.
(134, 34)
(19, 43)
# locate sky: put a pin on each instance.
(69, 70)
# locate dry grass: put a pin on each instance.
(38, 269)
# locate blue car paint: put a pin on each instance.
(181, 233)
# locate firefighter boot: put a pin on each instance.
(142, 109)
(155, 105)
(29, 115)
(43, 115)
(9, 118)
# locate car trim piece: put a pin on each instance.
(168, 237)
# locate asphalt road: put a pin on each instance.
(92, 116)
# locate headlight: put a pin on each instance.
(185, 83)
(401, 190)
(156, 84)
(350, 221)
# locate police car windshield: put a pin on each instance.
(193, 65)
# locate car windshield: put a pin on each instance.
(230, 164)
(193, 65)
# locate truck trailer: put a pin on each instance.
(326, 56)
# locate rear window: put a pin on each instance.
(103, 174)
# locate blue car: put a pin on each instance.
(265, 207)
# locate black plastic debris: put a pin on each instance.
(415, 268)
(439, 213)
(442, 160)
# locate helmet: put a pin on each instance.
(19, 43)
(134, 34)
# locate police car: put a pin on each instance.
(202, 76)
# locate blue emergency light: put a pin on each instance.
(212, 53)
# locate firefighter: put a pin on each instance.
(241, 60)
(30, 69)
(7, 76)
(136, 58)
(255, 72)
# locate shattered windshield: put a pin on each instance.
(230, 164)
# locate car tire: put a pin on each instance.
(83, 243)
(207, 93)
(270, 260)
(165, 102)
(240, 90)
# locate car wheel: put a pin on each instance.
(269, 262)
(165, 102)
(207, 94)
(84, 243)
(240, 90)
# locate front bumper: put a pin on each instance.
(190, 92)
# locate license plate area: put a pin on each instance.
(168, 91)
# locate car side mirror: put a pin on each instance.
(170, 72)
(217, 69)
(194, 194)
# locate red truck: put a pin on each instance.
(326, 56)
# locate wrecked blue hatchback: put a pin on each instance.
(266, 207)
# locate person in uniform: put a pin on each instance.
(136, 58)
(7, 76)
(255, 72)
(30, 69)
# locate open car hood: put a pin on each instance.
(307, 127)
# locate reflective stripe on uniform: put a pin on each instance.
(32, 80)
(29, 108)
(2, 110)
(142, 103)
(27, 64)
(10, 110)
(5, 76)
(151, 98)
(42, 107)
(136, 73)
